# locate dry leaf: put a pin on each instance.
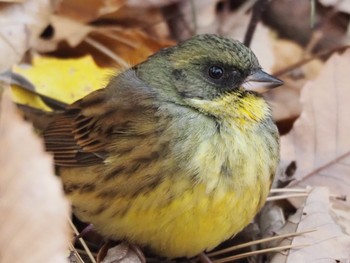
(65, 80)
(80, 11)
(33, 209)
(150, 3)
(121, 254)
(21, 24)
(131, 45)
(319, 141)
(64, 29)
(327, 244)
(341, 5)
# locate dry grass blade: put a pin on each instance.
(109, 32)
(298, 190)
(257, 252)
(302, 62)
(264, 240)
(82, 242)
(73, 250)
(289, 190)
(281, 197)
(107, 52)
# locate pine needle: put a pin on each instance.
(255, 242)
(257, 252)
(82, 242)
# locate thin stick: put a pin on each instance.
(105, 50)
(194, 17)
(289, 190)
(105, 31)
(76, 253)
(225, 26)
(302, 62)
(257, 252)
(281, 197)
(82, 242)
(256, 242)
(339, 197)
(256, 15)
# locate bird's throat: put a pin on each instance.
(245, 110)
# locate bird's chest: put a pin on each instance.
(236, 159)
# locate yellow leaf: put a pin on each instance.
(66, 80)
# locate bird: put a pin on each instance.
(177, 153)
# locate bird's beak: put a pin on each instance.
(260, 81)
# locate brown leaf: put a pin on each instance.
(327, 244)
(341, 5)
(21, 24)
(131, 45)
(34, 212)
(79, 10)
(121, 254)
(319, 140)
(65, 29)
(150, 3)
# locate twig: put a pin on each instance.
(194, 17)
(106, 31)
(281, 197)
(325, 166)
(289, 190)
(76, 253)
(257, 252)
(323, 53)
(256, 242)
(103, 49)
(256, 15)
(225, 26)
(82, 242)
(312, 13)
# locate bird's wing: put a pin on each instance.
(84, 134)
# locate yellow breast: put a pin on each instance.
(182, 216)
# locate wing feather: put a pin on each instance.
(82, 135)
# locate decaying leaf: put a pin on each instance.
(21, 24)
(120, 254)
(66, 80)
(64, 29)
(319, 141)
(79, 10)
(341, 5)
(328, 243)
(33, 209)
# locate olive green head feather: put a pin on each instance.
(204, 67)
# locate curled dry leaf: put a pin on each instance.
(319, 141)
(327, 243)
(79, 10)
(33, 209)
(65, 80)
(150, 3)
(64, 29)
(341, 5)
(21, 24)
(121, 253)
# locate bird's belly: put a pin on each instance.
(184, 212)
(184, 224)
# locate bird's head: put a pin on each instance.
(210, 73)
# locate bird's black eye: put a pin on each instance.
(216, 72)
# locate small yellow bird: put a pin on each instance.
(177, 153)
